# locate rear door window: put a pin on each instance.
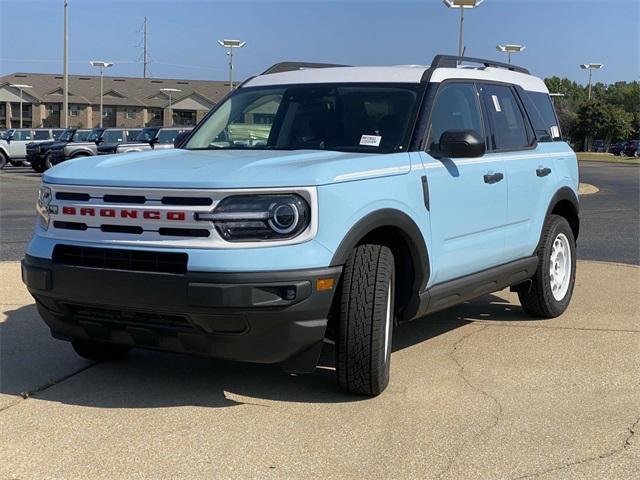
(508, 125)
(113, 136)
(41, 135)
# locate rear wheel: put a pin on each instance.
(365, 321)
(552, 285)
(99, 351)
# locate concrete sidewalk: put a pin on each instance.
(480, 391)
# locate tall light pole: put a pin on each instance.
(65, 68)
(20, 87)
(591, 67)
(169, 91)
(510, 48)
(101, 65)
(462, 5)
(231, 44)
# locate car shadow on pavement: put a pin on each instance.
(34, 364)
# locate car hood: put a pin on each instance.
(178, 168)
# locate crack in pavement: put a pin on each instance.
(494, 400)
(42, 388)
(627, 443)
(496, 323)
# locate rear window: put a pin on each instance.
(508, 127)
(543, 104)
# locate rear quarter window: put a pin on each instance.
(544, 106)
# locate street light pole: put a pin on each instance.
(509, 49)
(169, 91)
(101, 65)
(591, 67)
(231, 44)
(20, 87)
(462, 5)
(65, 68)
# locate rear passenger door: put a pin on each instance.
(467, 196)
(512, 139)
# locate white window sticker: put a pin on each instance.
(370, 140)
(555, 131)
(496, 103)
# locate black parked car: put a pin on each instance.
(631, 148)
(146, 135)
(39, 154)
(616, 148)
(598, 146)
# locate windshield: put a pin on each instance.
(146, 134)
(94, 135)
(66, 136)
(82, 136)
(372, 118)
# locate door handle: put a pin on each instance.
(543, 172)
(493, 177)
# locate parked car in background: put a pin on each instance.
(631, 148)
(13, 148)
(89, 147)
(598, 146)
(161, 140)
(616, 148)
(143, 136)
(38, 153)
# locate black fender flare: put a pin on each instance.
(564, 193)
(411, 234)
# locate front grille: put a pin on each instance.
(77, 197)
(137, 199)
(124, 318)
(122, 229)
(187, 201)
(70, 225)
(120, 259)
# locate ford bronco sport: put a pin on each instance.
(315, 203)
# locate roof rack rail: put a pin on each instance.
(452, 61)
(292, 66)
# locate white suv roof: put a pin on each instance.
(401, 74)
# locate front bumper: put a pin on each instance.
(262, 317)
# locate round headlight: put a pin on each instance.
(284, 218)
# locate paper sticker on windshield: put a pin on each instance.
(370, 140)
(555, 131)
(496, 103)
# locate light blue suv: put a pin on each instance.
(316, 204)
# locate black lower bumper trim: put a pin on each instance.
(263, 317)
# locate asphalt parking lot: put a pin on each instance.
(479, 391)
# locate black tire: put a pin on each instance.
(16, 163)
(46, 163)
(38, 167)
(365, 321)
(539, 301)
(99, 351)
(3, 160)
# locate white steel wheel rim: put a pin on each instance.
(560, 267)
(387, 325)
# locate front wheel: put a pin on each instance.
(3, 160)
(552, 285)
(365, 321)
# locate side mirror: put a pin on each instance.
(179, 139)
(461, 144)
(153, 141)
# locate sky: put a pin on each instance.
(182, 35)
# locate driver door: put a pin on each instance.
(467, 196)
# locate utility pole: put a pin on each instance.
(145, 60)
(65, 69)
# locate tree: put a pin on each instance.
(617, 124)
